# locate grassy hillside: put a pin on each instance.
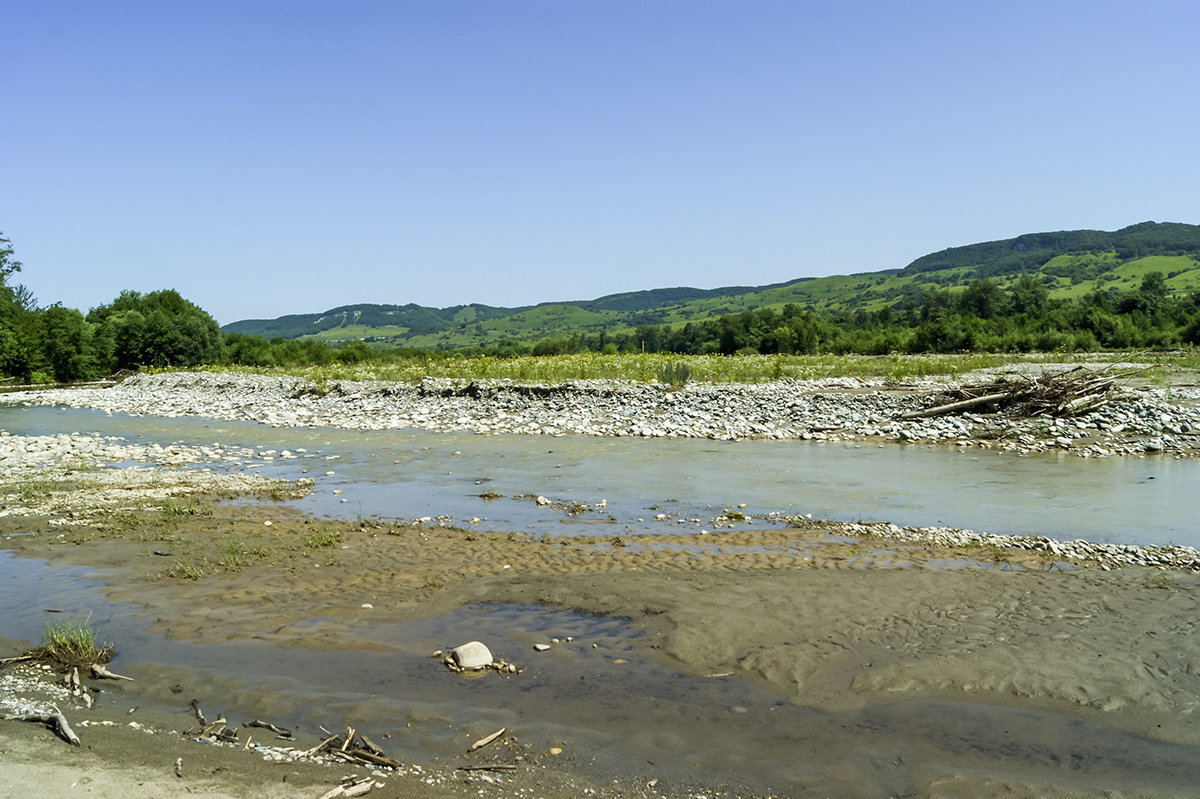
(1068, 263)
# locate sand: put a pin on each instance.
(867, 634)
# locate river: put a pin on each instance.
(402, 474)
(651, 721)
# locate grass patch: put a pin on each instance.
(671, 369)
(323, 539)
(236, 555)
(187, 507)
(72, 644)
(186, 571)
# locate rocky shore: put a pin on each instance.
(967, 663)
(1147, 419)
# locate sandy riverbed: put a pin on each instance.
(827, 624)
(924, 670)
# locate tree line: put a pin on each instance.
(162, 329)
(982, 316)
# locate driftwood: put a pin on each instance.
(1067, 394)
(18, 659)
(100, 671)
(56, 720)
(490, 767)
(321, 747)
(216, 728)
(351, 787)
(362, 752)
(266, 725)
(364, 755)
(961, 405)
(482, 742)
(199, 713)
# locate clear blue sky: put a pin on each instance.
(266, 157)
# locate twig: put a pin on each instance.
(482, 742)
(18, 659)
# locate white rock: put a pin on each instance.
(472, 656)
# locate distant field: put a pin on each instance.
(704, 368)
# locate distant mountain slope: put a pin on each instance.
(1069, 263)
(1028, 252)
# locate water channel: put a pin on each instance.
(399, 474)
(638, 714)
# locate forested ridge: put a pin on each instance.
(1082, 290)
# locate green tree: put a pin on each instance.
(66, 344)
(18, 325)
(156, 329)
(982, 298)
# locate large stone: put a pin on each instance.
(472, 656)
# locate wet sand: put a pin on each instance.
(882, 636)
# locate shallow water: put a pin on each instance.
(414, 473)
(615, 713)
(634, 717)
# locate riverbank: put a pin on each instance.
(853, 632)
(897, 660)
(1142, 419)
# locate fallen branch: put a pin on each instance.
(100, 671)
(321, 747)
(490, 767)
(372, 758)
(18, 659)
(55, 720)
(962, 405)
(280, 731)
(1065, 394)
(356, 787)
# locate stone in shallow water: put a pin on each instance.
(472, 656)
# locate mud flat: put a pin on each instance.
(1089, 672)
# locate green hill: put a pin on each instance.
(1069, 263)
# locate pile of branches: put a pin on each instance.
(1069, 393)
(352, 748)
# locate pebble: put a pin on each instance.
(826, 409)
(1152, 421)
